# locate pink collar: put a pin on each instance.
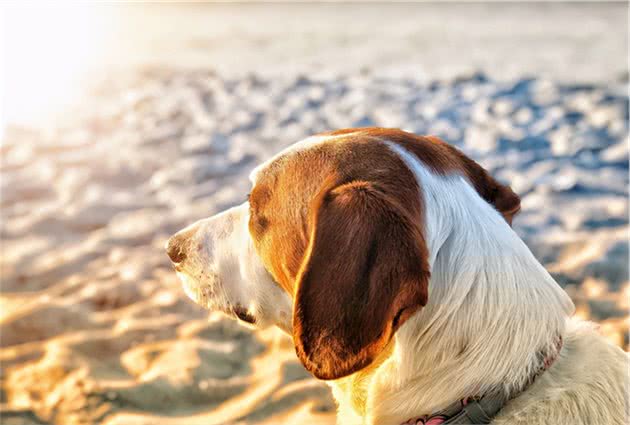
(481, 410)
(441, 417)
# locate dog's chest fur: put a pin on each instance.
(586, 385)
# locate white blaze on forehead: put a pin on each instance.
(302, 145)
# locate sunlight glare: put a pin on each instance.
(47, 53)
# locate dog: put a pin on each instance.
(391, 261)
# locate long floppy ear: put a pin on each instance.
(365, 272)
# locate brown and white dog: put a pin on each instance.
(391, 261)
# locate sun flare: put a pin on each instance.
(48, 52)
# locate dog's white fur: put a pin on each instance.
(223, 270)
(481, 272)
(492, 309)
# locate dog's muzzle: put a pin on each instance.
(201, 283)
(177, 247)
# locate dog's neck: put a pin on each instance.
(493, 309)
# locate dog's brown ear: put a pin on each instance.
(506, 202)
(365, 272)
(498, 195)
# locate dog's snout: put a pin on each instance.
(176, 248)
(179, 245)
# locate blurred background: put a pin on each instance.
(121, 123)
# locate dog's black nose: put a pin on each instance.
(175, 248)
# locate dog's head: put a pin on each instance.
(330, 246)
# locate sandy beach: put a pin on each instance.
(95, 328)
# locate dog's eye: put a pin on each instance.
(260, 224)
(248, 196)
